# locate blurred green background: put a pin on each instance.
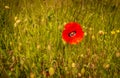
(31, 45)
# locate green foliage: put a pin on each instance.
(31, 44)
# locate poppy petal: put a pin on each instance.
(72, 33)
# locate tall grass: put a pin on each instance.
(31, 45)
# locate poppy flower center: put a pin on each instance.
(72, 34)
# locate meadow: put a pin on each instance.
(31, 44)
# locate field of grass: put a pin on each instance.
(31, 44)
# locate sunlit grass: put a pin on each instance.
(31, 45)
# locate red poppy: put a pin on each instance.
(72, 33)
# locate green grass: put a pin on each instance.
(31, 45)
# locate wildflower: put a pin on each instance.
(113, 32)
(38, 46)
(42, 20)
(49, 47)
(12, 69)
(93, 37)
(7, 7)
(32, 75)
(117, 54)
(15, 18)
(85, 33)
(17, 22)
(92, 66)
(101, 32)
(25, 19)
(73, 65)
(51, 71)
(84, 27)
(83, 70)
(11, 43)
(13, 58)
(117, 31)
(44, 73)
(66, 68)
(33, 65)
(82, 55)
(59, 27)
(22, 61)
(20, 44)
(79, 75)
(106, 66)
(72, 33)
(90, 29)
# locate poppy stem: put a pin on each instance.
(64, 51)
(64, 55)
